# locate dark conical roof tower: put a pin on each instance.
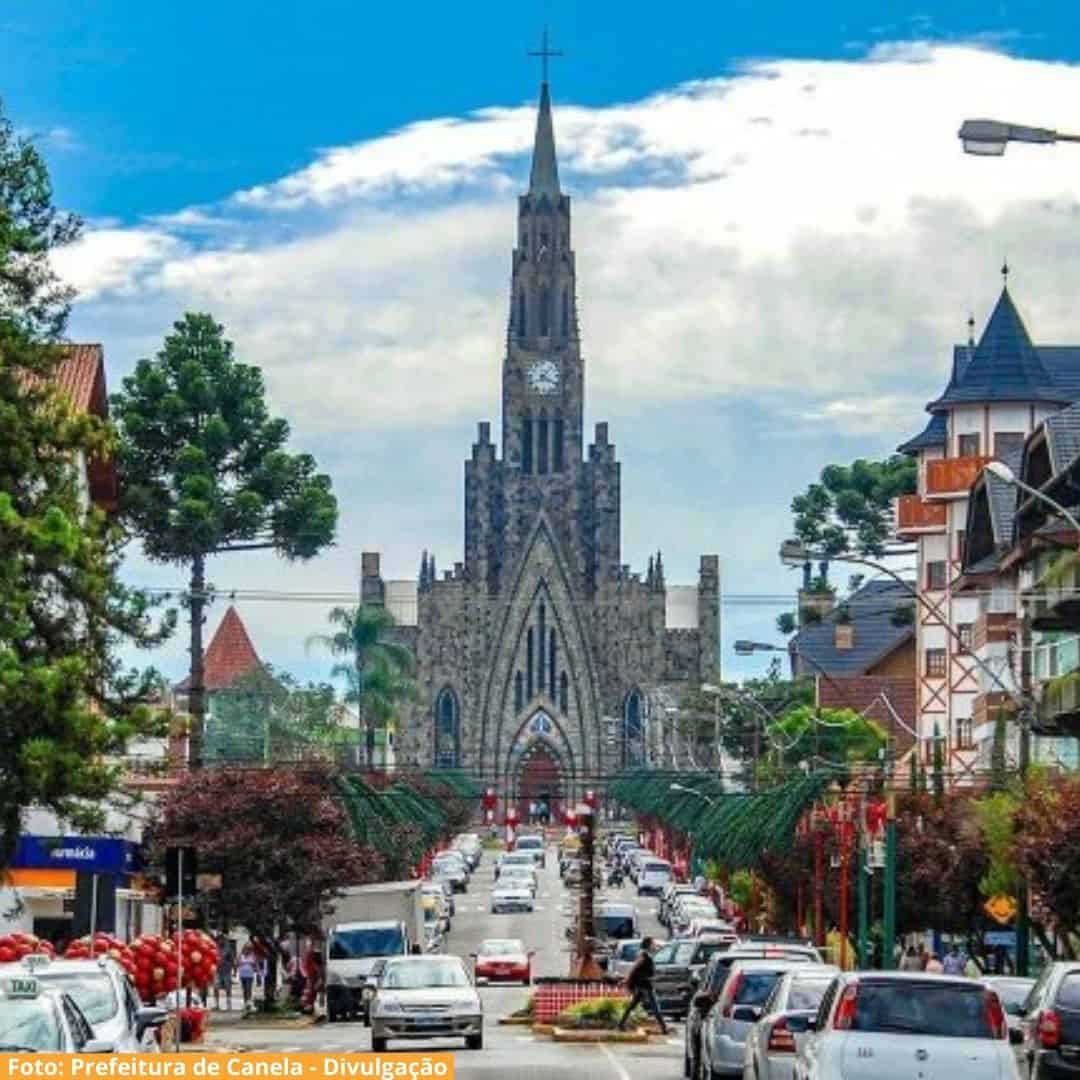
(544, 177)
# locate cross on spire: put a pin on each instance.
(545, 53)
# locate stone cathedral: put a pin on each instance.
(544, 663)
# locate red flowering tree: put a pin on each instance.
(1047, 852)
(280, 840)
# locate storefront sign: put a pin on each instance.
(98, 854)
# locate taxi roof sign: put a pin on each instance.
(21, 986)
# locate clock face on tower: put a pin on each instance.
(543, 377)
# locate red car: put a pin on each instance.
(504, 959)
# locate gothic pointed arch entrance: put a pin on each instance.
(539, 768)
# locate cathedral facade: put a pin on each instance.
(542, 660)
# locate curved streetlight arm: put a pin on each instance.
(1003, 472)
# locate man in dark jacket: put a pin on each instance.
(640, 984)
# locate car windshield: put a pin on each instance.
(29, 1024)
(630, 950)
(529, 843)
(517, 870)
(806, 995)
(372, 941)
(424, 974)
(677, 952)
(615, 926)
(919, 1008)
(706, 949)
(1014, 992)
(93, 992)
(755, 986)
(501, 948)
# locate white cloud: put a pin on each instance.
(793, 248)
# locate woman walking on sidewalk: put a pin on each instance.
(247, 969)
(226, 967)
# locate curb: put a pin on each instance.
(572, 1035)
(515, 1021)
(543, 1029)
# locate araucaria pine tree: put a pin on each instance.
(205, 472)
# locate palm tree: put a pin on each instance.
(377, 672)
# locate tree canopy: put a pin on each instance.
(206, 471)
(66, 704)
(850, 508)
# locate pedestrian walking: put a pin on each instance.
(226, 968)
(640, 984)
(911, 960)
(954, 963)
(934, 966)
(247, 969)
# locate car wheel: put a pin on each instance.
(378, 1046)
(474, 1042)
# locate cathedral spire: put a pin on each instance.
(544, 178)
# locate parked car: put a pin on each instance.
(37, 1017)
(105, 996)
(679, 964)
(622, 957)
(1051, 1023)
(653, 875)
(775, 1039)
(712, 980)
(472, 848)
(426, 997)
(504, 960)
(671, 894)
(1014, 992)
(882, 1025)
(535, 846)
(686, 910)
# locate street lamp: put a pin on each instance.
(988, 138)
(1005, 474)
(692, 791)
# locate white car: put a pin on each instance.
(521, 876)
(898, 1025)
(512, 895)
(106, 998)
(39, 1018)
(534, 845)
(426, 997)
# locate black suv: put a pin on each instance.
(1051, 1024)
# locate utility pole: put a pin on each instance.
(585, 966)
(1023, 901)
(861, 868)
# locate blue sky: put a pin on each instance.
(778, 239)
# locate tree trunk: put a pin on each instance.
(197, 687)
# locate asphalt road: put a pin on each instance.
(508, 1051)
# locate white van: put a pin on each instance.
(653, 875)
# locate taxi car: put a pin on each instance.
(39, 1018)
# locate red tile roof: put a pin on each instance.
(81, 375)
(229, 655)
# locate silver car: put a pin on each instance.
(775, 1039)
(897, 1025)
(725, 1030)
(426, 997)
(622, 957)
(105, 996)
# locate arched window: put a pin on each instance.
(526, 444)
(565, 312)
(521, 325)
(447, 730)
(529, 684)
(557, 443)
(551, 660)
(544, 315)
(564, 693)
(519, 692)
(542, 443)
(541, 666)
(633, 742)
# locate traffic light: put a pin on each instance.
(175, 857)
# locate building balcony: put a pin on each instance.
(985, 708)
(1059, 706)
(990, 627)
(951, 478)
(916, 517)
(1056, 596)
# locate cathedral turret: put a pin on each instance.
(544, 178)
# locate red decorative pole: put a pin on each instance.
(819, 886)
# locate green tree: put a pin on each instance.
(66, 704)
(269, 716)
(938, 766)
(996, 815)
(376, 669)
(206, 473)
(850, 508)
(999, 766)
(824, 739)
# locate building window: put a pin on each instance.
(936, 575)
(544, 314)
(447, 731)
(565, 312)
(968, 445)
(529, 684)
(935, 663)
(526, 445)
(542, 445)
(519, 692)
(557, 445)
(564, 693)
(551, 660)
(964, 740)
(521, 326)
(963, 634)
(525, 241)
(541, 666)
(1008, 444)
(961, 539)
(633, 748)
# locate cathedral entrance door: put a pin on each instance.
(539, 781)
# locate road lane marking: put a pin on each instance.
(615, 1063)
